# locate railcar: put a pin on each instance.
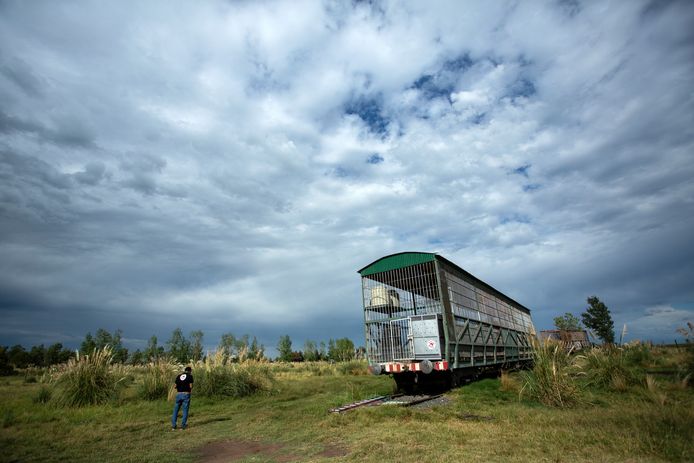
(429, 322)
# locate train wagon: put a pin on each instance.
(429, 322)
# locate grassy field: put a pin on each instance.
(482, 421)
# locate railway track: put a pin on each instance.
(397, 399)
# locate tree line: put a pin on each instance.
(178, 347)
(337, 350)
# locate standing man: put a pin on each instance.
(184, 386)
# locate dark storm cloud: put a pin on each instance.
(23, 77)
(67, 133)
(92, 174)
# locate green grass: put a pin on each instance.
(482, 422)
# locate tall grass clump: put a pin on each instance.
(215, 379)
(550, 381)
(43, 395)
(157, 380)
(87, 379)
(653, 391)
(638, 354)
(609, 368)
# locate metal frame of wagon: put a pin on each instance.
(489, 329)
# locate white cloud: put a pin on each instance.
(242, 160)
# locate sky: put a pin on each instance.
(229, 166)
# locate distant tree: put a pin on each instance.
(331, 354)
(5, 366)
(179, 347)
(261, 352)
(196, 345)
(120, 353)
(254, 349)
(37, 356)
(284, 347)
(598, 319)
(53, 354)
(297, 357)
(103, 338)
(568, 321)
(311, 353)
(242, 346)
(341, 350)
(18, 356)
(153, 352)
(137, 357)
(226, 346)
(322, 351)
(88, 345)
(56, 354)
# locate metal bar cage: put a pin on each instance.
(487, 326)
(390, 298)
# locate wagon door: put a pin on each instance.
(401, 340)
(426, 335)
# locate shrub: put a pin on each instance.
(609, 368)
(638, 354)
(214, 379)
(550, 381)
(157, 379)
(87, 379)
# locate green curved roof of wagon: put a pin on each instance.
(407, 259)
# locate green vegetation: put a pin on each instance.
(611, 368)
(650, 419)
(156, 380)
(284, 348)
(550, 381)
(597, 318)
(341, 350)
(88, 379)
(180, 349)
(562, 380)
(105, 339)
(214, 378)
(568, 321)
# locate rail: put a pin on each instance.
(397, 399)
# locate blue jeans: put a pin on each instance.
(182, 399)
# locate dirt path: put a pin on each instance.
(234, 450)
